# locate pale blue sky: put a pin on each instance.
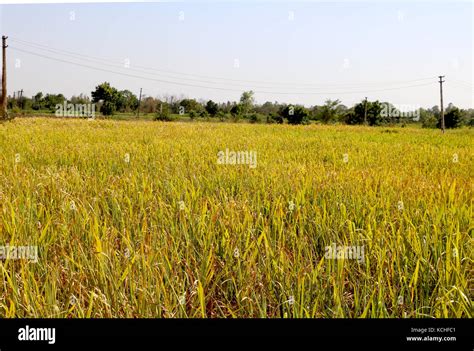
(338, 50)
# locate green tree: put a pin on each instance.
(330, 111)
(255, 117)
(246, 101)
(107, 108)
(236, 110)
(267, 108)
(428, 119)
(193, 114)
(163, 112)
(221, 115)
(470, 117)
(357, 116)
(274, 118)
(51, 100)
(80, 100)
(126, 101)
(108, 96)
(452, 119)
(212, 108)
(295, 114)
(190, 105)
(37, 101)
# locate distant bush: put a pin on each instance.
(368, 112)
(255, 118)
(16, 110)
(428, 119)
(222, 116)
(235, 117)
(107, 108)
(164, 117)
(429, 122)
(193, 114)
(295, 114)
(163, 114)
(236, 110)
(274, 118)
(452, 119)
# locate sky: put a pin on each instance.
(299, 53)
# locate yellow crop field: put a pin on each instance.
(145, 219)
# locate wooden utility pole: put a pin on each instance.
(4, 113)
(20, 96)
(441, 81)
(365, 111)
(139, 103)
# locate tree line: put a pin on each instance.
(110, 101)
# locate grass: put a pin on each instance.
(171, 233)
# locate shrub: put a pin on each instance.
(212, 108)
(107, 108)
(221, 115)
(163, 114)
(452, 119)
(236, 110)
(274, 118)
(295, 114)
(255, 118)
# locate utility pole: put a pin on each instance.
(139, 102)
(441, 81)
(21, 98)
(4, 113)
(365, 111)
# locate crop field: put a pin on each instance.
(140, 219)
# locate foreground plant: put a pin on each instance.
(138, 219)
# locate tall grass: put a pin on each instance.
(171, 233)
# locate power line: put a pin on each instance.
(461, 84)
(118, 65)
(464, 88)
(143, 68)
(213, 88)
(461, 81)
